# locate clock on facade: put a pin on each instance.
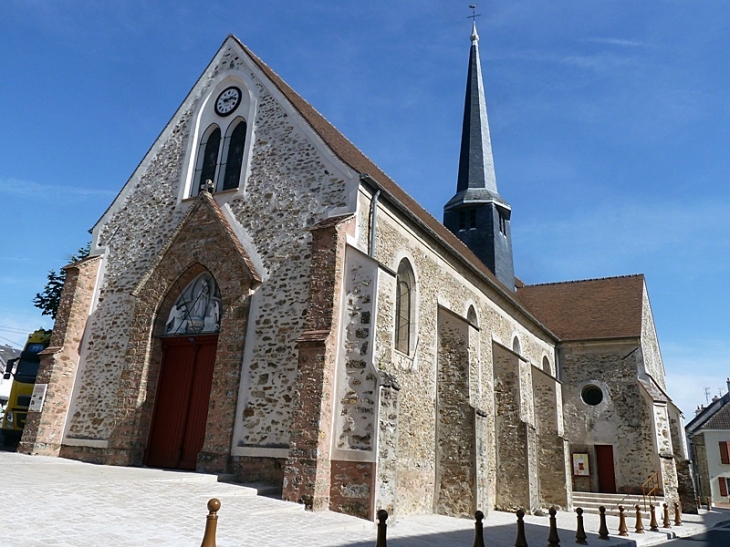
(227, 101)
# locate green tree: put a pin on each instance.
(50, 298)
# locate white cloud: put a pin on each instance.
(22, 188)
(618, 42)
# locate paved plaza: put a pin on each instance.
(57, 502)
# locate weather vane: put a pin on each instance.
(474, 13)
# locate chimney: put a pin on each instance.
(728, 384)
(698, 410)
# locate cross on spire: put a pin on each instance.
(474, 13)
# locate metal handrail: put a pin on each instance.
(650, 488)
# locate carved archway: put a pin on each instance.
(203, 247)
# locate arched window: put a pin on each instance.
(207, 157)
(546, 364)
(471, 316)
(404, 307)
(197, 308)
(233, 150)
(516, 346)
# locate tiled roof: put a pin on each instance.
(594, 309)
(720, 419)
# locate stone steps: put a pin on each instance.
(591, 501)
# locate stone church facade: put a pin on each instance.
(261, 299)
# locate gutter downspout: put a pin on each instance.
(373, 215)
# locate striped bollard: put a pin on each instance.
(603, 528)
(211, 523)
(521, 540)
(382, 526)
(478, 529)
(580, 534)
(623, 530)
(639, 523)
(553, 539)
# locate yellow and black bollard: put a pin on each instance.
(211, 523)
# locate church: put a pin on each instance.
(261, 300)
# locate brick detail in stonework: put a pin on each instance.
(351, 489)
(44, 430)
(307, 472)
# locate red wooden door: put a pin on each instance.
(604, 463)
(181, 405)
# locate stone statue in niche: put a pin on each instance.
(197, 309)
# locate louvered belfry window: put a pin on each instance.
(404, 307)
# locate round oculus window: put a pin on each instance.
(592, 395)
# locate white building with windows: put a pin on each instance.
(709, 442)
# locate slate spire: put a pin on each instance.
(477, 214)
(476, 164)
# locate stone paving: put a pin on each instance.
(64, 503)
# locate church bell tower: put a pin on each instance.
(477, 214)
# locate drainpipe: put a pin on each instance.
(373, 213)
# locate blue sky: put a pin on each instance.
(610, 124)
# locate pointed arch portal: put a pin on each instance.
(177, 433)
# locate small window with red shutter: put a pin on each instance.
(725, 452)
(723, 486)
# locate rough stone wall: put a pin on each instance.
(308, 469)
(650, 344)
(512, 435)
(387, 462)
(204, 238)
(288, 188)
(455, 427)
(439, 282)
(685, 487)
(553, 481)
(43, 431)
(623, 419)
(357, 380)
(352, 489)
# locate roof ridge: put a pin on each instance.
(584, 280)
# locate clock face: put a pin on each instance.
(228, 101)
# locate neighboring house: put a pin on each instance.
(709, 440)
(261, 299)
(6, 353)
